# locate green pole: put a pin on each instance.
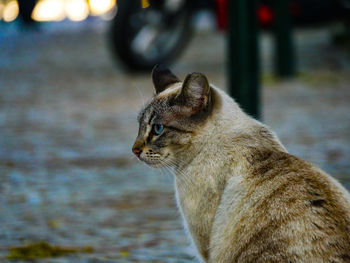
(243, 55)
(284, 53)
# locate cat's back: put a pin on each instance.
(284, 210)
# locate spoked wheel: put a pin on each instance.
(141, 38)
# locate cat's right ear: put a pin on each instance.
(195, 94)
(162, 78)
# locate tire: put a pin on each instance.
(167, 42)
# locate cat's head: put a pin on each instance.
(168, 123)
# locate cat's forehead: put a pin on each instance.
(159, 104)
(153, 108)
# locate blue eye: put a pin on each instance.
(158, 129)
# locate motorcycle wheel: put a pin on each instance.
(142, 38)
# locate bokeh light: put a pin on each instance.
(49, 10)
(57, 10)
(99, 7)
(77, 10)
(1, 9)
(10, 11)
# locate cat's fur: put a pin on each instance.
(243, 197)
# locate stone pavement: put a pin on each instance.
(68, 120)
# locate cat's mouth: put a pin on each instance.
(157, 162)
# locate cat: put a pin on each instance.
(242, 196)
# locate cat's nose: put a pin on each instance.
(137, 147)
(136, 151)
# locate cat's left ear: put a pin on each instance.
(162, 78)
(195, 93)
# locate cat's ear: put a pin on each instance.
(195, 93)
(162, 78)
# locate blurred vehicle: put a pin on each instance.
(142, 37)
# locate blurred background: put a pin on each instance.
(74, 73)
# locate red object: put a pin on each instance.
(221, 14)
(265, 15)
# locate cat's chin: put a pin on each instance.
(155, 165)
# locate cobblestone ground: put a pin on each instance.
(68, 120)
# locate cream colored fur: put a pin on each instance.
(216, 158)
(242, 196)
(208, 209)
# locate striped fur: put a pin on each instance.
(242, 196)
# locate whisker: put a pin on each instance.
(141, 95)
(171, 164)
